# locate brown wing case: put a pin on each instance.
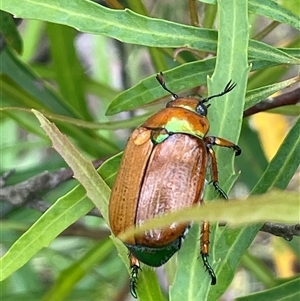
(174, 179)
(125, 193)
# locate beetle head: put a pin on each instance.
(194, 104)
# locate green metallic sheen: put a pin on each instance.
(152, 256)
(175, 125)
(182, 126)
(159, 137)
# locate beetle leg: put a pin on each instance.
(211, 140)
(134, 266)
(205, 251)
(214, 172)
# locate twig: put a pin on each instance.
(26, 191)
(25, 194)
(79, 230)
(285, 231)
(289, 98)
(282, 230)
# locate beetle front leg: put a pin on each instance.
(211, 140)
(134, 267)
(204, 246)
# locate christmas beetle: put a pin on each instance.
(163, 169)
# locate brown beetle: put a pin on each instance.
(163, 170)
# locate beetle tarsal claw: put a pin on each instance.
(237, 149)
(220, 190)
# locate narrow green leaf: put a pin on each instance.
(231, 64)
(79, 123)
(291, 51)
(130, 27)
(225, 116)
(263, 51)
(284, 165)
(188, 283)
(68, 70)
(259, 94)
(251, 152)
(61, 215)
(232, 243)
(123, 25)
(24, 88)
(84, 171)
(267, 76)
(179, 78)
(9, 32)
(289, 291)
(68, 278)
(15, 94)
(259, 269)
(253, 210)
(29, 124)
(32, 34)
(271, 9)
(108, 170)
(22, 75)
(148, 288)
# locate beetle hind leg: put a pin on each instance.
(133, 280)
(209, 269)
(135, 267)
(205, 251)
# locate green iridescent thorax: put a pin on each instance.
(177, 125)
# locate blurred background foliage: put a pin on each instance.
(72, 76)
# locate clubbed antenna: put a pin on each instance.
(161, 79)
(231, 85)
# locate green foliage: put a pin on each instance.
(56, 92)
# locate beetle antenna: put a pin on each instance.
(230, 85)
(161, 79)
